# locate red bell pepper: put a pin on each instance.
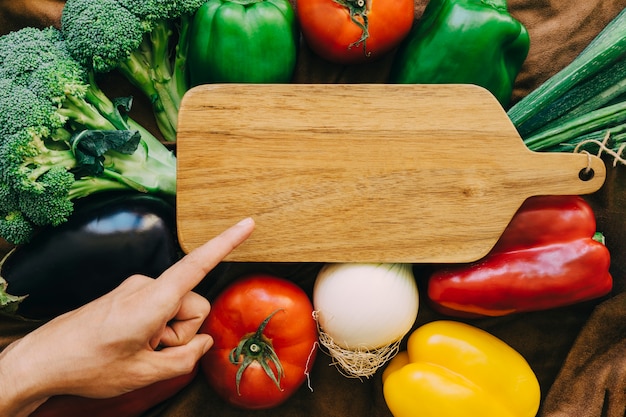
(546, 257)
(132, 404)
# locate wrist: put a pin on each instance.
(20, 391)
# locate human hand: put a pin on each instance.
(142, 332)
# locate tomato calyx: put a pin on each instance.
(358, 10)
(256, 347)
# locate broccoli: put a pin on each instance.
(14, 227)
(62, 138)
(145, 40)
(37, 59)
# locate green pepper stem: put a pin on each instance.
(245, 2)
(497, 4)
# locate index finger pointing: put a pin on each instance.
(185, 274)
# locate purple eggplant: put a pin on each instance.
(107, 239)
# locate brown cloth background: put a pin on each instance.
(578, 352)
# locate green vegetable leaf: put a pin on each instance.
(90, 146)
(8, 303)
(122, 106)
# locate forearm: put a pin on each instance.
(22, 388)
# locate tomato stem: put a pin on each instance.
(256, 347)
(358, 10)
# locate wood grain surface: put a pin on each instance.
(359, 172)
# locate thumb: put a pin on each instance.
(182, 359)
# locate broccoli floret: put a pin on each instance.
(48, 204)
(145, 40)
(26, 49)
(15, 228)
(25, 158)
(27, 110)
(15, 224)
(62, 138)
(37, 59)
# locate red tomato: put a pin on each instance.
(261, 325)
(354, 31)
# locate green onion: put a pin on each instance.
(562, 131)
(583, 102)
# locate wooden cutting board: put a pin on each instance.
(359, 172)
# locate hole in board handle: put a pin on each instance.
(586, 174)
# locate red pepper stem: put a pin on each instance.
(255, 347)
(599, 237)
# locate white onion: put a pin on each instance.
(365, 306)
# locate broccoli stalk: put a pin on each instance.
(62, 138)
(180, 75)
(145, 40)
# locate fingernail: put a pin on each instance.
(245, 222)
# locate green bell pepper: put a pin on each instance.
(245, 41)
(466, 42)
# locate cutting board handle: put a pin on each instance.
(564, 173)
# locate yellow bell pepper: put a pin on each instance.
(452, 369)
